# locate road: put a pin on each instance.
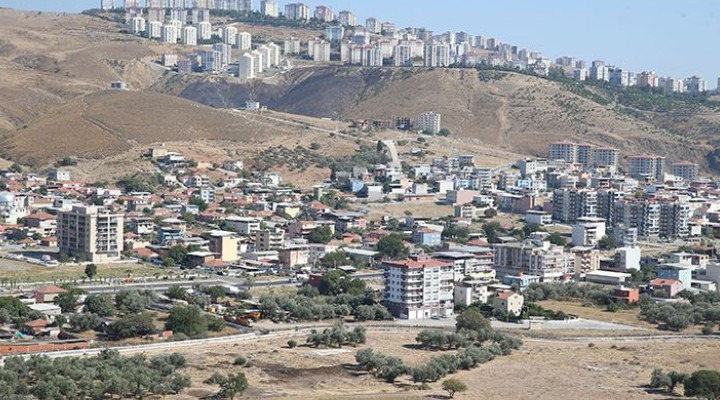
(575, 324)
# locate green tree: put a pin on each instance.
(322, 234)
(68, 299)
(233, 385)
(91, 271)
(704, 384)
(188, 320)
(492, 231)
(490, 213)
(100, 304)
(200, 203)
(557, 239)
(177, 293)
(131, 325)
(334, 260)
(215, 292)
(392, 246)
(608, 242)
(134, 301)
(454, 385)
(659, 379)
(178, 253)
(675, 379)
(473, 320)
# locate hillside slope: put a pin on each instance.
(511, 111)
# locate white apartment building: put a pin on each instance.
(402, 55)
(334, 33)
(265, 51)
(347, 18)
(243, 41)
(274, 54)
(169, 34)
(269, 8)
(297, 11)
(437, 54)
(242, 225)
(189, 36)
(647, 166)
(230, 35)
(686, 170)
(137, 25)
(91, 233)
(534, 257)
(291, 46)
(430, 122)
(320, 50)
(373, 26)
(258, 62)
(588, 231)
(204, 30)
(225, 52)
(154, 29)
(566, 151)
(211, 60)
(419, 287)
(324, 13)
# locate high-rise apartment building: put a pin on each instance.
(154, 29)
(189, 36)
(419, 287)
(246, 66)
(324, 13)
(373, 26)
(291, 46)
(244, 41)
(297, 11)
(269, 239)
(437, 54)
(230, 35)
(429, 122)
(204, 30)
(269, 8)
(169, 34)
(89, 232)
(571, 204)
(347, 18)
(647, 166)
(686, 170)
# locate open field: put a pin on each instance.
(542, 369)
(626, 317)
(397, 210)
(19, 271)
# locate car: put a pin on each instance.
(435, 317)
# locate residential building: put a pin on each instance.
(508, 303)
(204, 30)
(189, 36)
(230, 35)
(154, 29)
(243, 226)
(169, 34)
(347, 18)
(565, 151)
(373, 26)
(334, 33)
(666, 288)
(243, 41)
(429, 122)
(323, 13)
(587, 259)
(319, 50)
(626, 295)
(89, 232)
(427, 236)
(571, 204)
(137, 25)
(678, 272)
(588, 231)
(297, 11)
(466, 293)
(695, 84)
(688, 171)
(246, 66)
(269, 8)
(269, 239)
(294, 256)
(534, 257)
(647, 167)
(291, 46)
(437, 54)
(419, 287)
(224, 245)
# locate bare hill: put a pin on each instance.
(506, 110)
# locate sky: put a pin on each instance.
(671, 37)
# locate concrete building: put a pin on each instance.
(347, 18)
(269, 8)
(230, 35)
(269, 239)
(571, 204)
(588, 231)
(246, 66)
(509, 303)
(534, 257)
(154, 29)
(419, 287)
(225, 51)
(204, 30)
(169, 34)
(291, 46)
(647, 167)
(224, 245)
(373, 26)
(437, 54)
(335, 33)
(566, 151)
(688, 171)
(189, 36)
(91, 233)
(243, 41)
(319, 50)
(324, 14)
(211, 61)
(429, 122)
(137, 25)
(297, 11)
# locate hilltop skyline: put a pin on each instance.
(673, 40)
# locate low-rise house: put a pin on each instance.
(470, 292)
(427, 237)
(626, 295)
(509, 303)
(666, 288)
(47, 294)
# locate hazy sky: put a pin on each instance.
(671, 37)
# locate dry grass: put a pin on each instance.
(424, 209)
(25, 272)
(624, 317)
(542, 369)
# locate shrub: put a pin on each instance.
(292, 343)
(240, 361)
